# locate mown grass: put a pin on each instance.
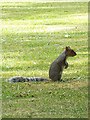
(33, 35)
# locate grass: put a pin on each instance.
(33, 35)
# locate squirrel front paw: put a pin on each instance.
(66, 65)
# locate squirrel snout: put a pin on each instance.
(75, 54)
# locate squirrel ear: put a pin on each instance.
(67, 48)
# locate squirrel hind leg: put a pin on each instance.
(57, 78)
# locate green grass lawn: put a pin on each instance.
(33, 35)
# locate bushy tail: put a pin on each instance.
(26, 79)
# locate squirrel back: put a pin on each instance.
(56, 68)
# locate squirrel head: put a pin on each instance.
(70, 52)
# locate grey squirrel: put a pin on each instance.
(57, 67)
(55, 71)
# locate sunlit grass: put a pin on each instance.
(38, 26)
